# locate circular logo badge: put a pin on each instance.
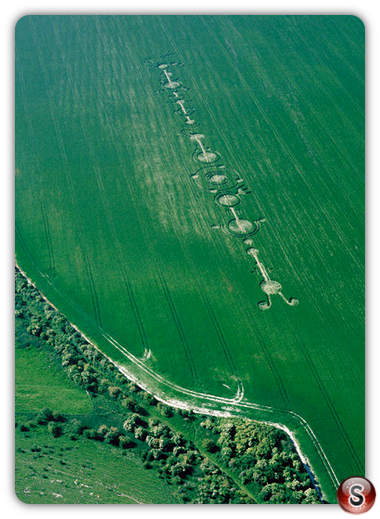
(356, 495)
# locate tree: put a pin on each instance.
(68, 359)
(102, 430)
(129, 403)
(126, 443)
(55, 429)
(264, 449)
(112, 436)
(91, 434)
(311, 496)
(178, 470)
(227, 452)
(165, 410)
(210, 446)
(276, 493)
(140, 433)
(165, 444)
(150, 399)
(35, 327)
(134, 421)
(59, 417)
(114, 391)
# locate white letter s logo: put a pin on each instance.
(356, 496)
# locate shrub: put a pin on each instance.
(55, 429)
(102, 431)
(48, 414)
(112, 436)
(91, 434)
(126, 443)
(114, 391)
(210, 446)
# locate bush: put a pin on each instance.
(165, 410)
(210, 446)
(112, 436)
(59, 417)
(114, 391)
(129, 403)
(91, 434)
(140, 433)
(75, 426)
(102, 431)
(126, 443)
(55, 429)
(47, 414)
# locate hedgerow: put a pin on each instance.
(235, 460)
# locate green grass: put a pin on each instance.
(83, 472)
(113, 230)
(61, 470)
(40, 383)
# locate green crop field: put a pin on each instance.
(190, 194)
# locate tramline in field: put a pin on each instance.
(166, 197)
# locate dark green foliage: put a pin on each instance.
(260, 458)
(55, 429)
(210, 446)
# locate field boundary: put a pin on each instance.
(209, 404)
(199, 217)
(236, 402)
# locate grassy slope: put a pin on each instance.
(108, 203)
(61, 470)
(83, 472)
(41, 383)
(205, 483)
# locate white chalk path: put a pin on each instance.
(226, 406)
(181, 103)
(197, 138)
(170, 84)
(234, 405)
(238, 223)
(147, 354)
(263, 270)
(189, 120)
(168, 77)
(203, 155)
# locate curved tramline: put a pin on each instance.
(203, 403)
(191, 213)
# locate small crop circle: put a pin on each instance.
(241, 227)
(270, 287)
(228, 200)
(217, 179)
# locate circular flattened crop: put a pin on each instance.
(172, 84)
(270, 286)
(207, 157)
(241, 227)
(227, 200)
